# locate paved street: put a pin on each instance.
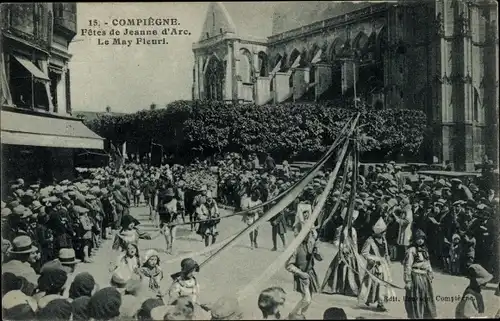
(237, 266)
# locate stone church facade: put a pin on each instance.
(440, 57)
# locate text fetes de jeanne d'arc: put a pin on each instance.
(128, 32)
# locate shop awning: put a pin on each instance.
(33, 130)
(34, 70)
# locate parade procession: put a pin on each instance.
(253, 200)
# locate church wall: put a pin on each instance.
(436, 58)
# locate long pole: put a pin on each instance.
(354, 75)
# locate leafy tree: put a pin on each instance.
(189, 129)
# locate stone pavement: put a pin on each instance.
(239, 265)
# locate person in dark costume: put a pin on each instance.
(340, 278)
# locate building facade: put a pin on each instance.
(440, 57)
(39, 135)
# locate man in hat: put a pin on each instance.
(459, 191)
(68, 260)
(58, 222)
(22, 255)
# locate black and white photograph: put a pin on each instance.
(323, 160)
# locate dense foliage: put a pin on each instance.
(188, 129)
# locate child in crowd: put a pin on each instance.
(130, 259)
(185, 283)
(151, 271)
(455, 255)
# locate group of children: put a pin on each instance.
(131, 266)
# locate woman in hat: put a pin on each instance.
(472, 303)
(151, 271)
(184, 282)
(342, 276)
(418, 276)
(374, 288)
(167, 211)
(253, 215)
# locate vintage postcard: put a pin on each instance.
(250, 160)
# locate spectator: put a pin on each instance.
(270, 301)
(334, 314)
(80, 308)
(472, 303)
(18, 306)
(83, 285)
(58, 309)
(105, 304)
(22, 254)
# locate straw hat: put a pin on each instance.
(67, 256)
(22, 245)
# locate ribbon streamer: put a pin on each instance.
(280, 261)
(294, 190)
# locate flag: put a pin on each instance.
(117, 157)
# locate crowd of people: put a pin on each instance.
(48, 229)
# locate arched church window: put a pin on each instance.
(214, 79)
(245, 71)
